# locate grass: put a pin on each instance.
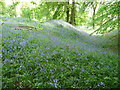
(55, 56)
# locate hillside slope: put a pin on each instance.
(55, 55)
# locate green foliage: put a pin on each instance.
(105, 20)
(11, 7)
(107, 17)
(34, 3)
(8, 10)
(26, 13)
(3, 8)
(82, 19)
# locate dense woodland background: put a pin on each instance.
(68, 44)
(102, 16)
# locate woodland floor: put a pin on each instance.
(56, 54)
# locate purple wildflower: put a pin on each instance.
(23, 43)
(6, 60)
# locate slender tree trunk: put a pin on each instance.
(67, 12)
(56, 12)
(93, 18)
(94, 5)
(118, 45)
(33, 14)
(72, 18)
(18, 10)
(101, 20)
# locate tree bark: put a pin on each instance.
(94, 5)
(72, 18)
(93, 18)
(56, 12)
(67, 12)
(118, 45)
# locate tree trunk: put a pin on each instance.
(94, 5)
(118, 45)
(56, 12)
(18, 10)
(33, 15)
(67, 12)
(101, 22)
(72, 18)
(93, 18)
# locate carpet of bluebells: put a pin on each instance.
(54, 56)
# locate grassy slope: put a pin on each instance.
(55, 56)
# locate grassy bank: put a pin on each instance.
(55, 55)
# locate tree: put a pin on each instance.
(67, 12)
(57, 11)
(82, 11)
(108, 14)
(72, 17)
(94, 6)
(18, 9)
(3, 7)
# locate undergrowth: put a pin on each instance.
(54, 57)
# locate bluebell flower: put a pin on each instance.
(52, 77)
(0, 54)
(51, 84)
(39, 83)
(15, 56)
(86, 58)
(7, 60)
(23, 43)
(101, 84)
(74, 85)
(55, 80)
(55, 52)
(0, 35)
